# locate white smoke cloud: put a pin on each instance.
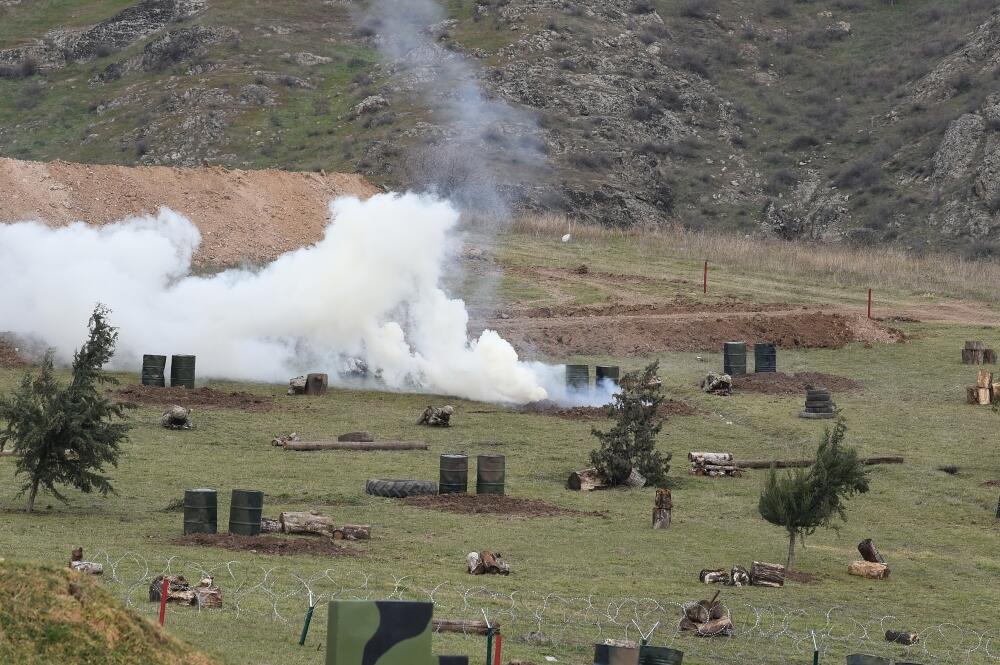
(370, 290)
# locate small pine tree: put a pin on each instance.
(631, 443)
(65, 435)
(801, 501)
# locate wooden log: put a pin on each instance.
(207, 595)
(714, 576)
(585, 480)
(353, 532)
(984, 378)
(767, 574)
(179, 590)
(990, 356)
(462, 626)
(270, 526)
(87, 567)
(663, 499)
(661, 518)
(874, 571)
(717, 627)
(310, 523)
(983, 396)
(789, 464)
(967, 356)
(635, 479)
(869, 552)
(739, 576)
(696, 612)
(355, 445)
(971, 395)
(977, 356)
(901, 637)
(316, 383)
(710, 458)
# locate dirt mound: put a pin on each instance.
(242, 215)
(279, 545)
(793, 384)
(52, 615)
(491, 504)
(670, 407)
(9, 357)
(202, 397)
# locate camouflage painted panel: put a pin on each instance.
(379, 632)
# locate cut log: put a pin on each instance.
(972, 395)
(462, 626)
(311, 523)
(207, 596)
(875, 571)
(710, 458)
(585, 480)
(983, 396)
(87, 567)
(968, 357)
(661, 518)
(269, 525)
(714, 576)
(663, 499)
(739, 576)
(355, 445)
(990, 357)
(696, 612)
(994, 392)
(984, 378)
(493, 564)
(789, 464)
(718, 627)
(316, 384)
(767, 574)
(869, 552)
(974, 345)
(357, 436)
(901, 637)
(179, 590)
(353, 532)
(635, 479)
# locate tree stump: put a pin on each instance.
(990, 357)
(316, 384)
(869, 552)
(661, 518)
(767, 574)
(311, 523)
(874, 571)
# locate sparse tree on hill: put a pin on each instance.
(631, 443)
(803, 500)
(66, 435)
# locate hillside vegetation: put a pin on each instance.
(857, 120)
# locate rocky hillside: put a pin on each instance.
(843, 120)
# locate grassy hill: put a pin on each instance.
(842, 120)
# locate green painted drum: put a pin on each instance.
(577, 377)
(862, 659)
(153, 369)
(660, 656)
(182, 371)
(607, 373)
(201, 511)
(454, 474)
(245, 508)
(491, 474)
(765, 358)
(734, 358)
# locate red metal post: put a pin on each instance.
(869, 303)
(496, 659)
(163, 599)
(704, 281)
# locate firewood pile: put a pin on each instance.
(976, 353)
(487, 563)
(707, 618)
(714, 465)
(181, 592)
(314, 524)
(986, 390)
(760, 574)
(874, 566)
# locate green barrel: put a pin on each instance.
(863, 659)
(153, 370)
(182, 371)
(606, 654)
(201, 511)
(660, 656)
(245, 508)
(491, 473)
(454, 474)
(734, 358)
(577, 377)
(765, 358)
(607, 373)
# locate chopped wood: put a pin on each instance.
(901, 637)
(715, 576)
(661, 518)
(207, 597)
(875, 571)
(462, 626)
(869, 552)
(789, 464)
(270, 526)
(696, 612)
(711, 458)
(739, 576)
(585, 480)
(356, 445)
(87, 567)
(718, 627)
(767, 574)
(306, 522)
(179, 590)
(984, 378)
(663, 499)
(353, 532)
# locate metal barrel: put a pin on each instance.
(606, 654)
(245, 508)
(578, 377)
(454, 474)
(182, 371)
(607, 372)
(734, 358)
(765, 357)
(491, 474)
(153, 368)
(201, 511)
(864, 659)
(660, 656)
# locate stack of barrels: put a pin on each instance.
(734, 358)
(153, 370)
(182, 371)
(491, 474)
(819, 404)
(201, 511)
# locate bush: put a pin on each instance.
(803, 141)
(694, 62)
(700, 9)
(590, 161)
(642, 7)
(779, 8)
(863, 172)
(779, 180)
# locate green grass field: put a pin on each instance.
(938, 531)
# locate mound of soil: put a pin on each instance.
(269, 544)
(491, 504)
(201, 397)
(793, 384)
(669, 407)
(53, 615)
(9, 358)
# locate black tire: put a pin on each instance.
(398, 489)
(821, 409)
(818, 404)
(817, 392)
